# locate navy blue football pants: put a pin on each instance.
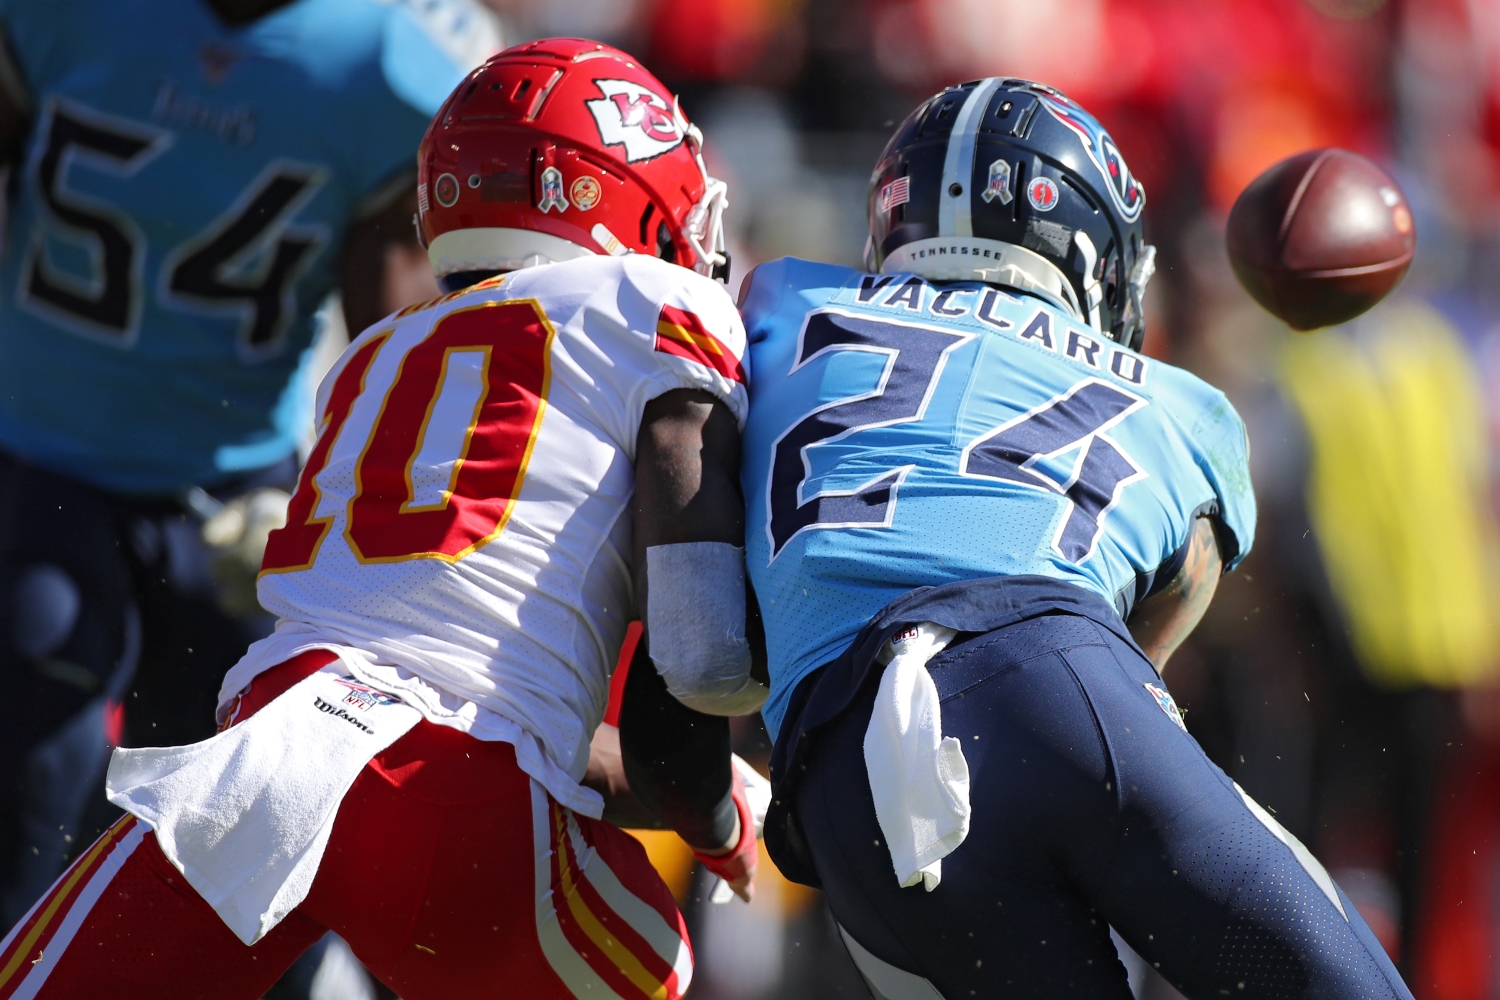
(1091, 809)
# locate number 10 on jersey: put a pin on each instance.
(467, 399)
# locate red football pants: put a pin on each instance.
(449, 871)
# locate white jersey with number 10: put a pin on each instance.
(461, 534)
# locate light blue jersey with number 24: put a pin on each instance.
(906, 434)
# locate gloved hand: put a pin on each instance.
(236, 536)
(737, 865)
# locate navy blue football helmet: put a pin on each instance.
(1010, 182)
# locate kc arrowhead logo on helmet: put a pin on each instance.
(632, 116)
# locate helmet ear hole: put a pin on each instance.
(665, 248)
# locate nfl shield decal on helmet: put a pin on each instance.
(552, 191)
(1128, 195)
(1166, 704)
(1042, 193)
(632, 116)
(999, 186)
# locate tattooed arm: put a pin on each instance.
(1162, 621)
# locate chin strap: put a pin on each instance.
(1133, 324)
(1093, 292)
(705, 227)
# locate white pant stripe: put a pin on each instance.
(576, 974)
(1304, 857)
(640, 915)
(79, 910)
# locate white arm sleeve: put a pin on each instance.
(695, 617)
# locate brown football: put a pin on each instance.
(1321, 237)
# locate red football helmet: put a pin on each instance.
(559, 149)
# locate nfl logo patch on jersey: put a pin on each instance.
(1166, 704)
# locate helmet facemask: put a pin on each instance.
(1132, 328)
(704, 227)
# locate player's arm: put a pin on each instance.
(384, 268)
(606, 774)
(676, 759)
(1161, 622)
(690, 560)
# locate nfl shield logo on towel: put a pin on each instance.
(362, 697)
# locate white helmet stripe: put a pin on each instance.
(954, 217)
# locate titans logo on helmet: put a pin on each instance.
(1128, 196)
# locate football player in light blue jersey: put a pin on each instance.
(979, 523)
(190, 180)
(926, 433)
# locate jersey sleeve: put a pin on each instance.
(761, 297)
(697, 342)
(1224, 458)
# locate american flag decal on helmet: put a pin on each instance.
(897, 192)
(683, 334)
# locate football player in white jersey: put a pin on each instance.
(499, 475)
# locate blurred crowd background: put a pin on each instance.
(1346, 676)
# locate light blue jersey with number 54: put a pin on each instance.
(906, 434)
(181, 208)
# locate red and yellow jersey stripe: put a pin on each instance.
(681, 333)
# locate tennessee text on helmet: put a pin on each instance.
(1010, 182)
(563, 148)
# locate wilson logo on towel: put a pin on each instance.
(329, 708)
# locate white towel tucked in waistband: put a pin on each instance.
(246, 816)
(919, 779)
